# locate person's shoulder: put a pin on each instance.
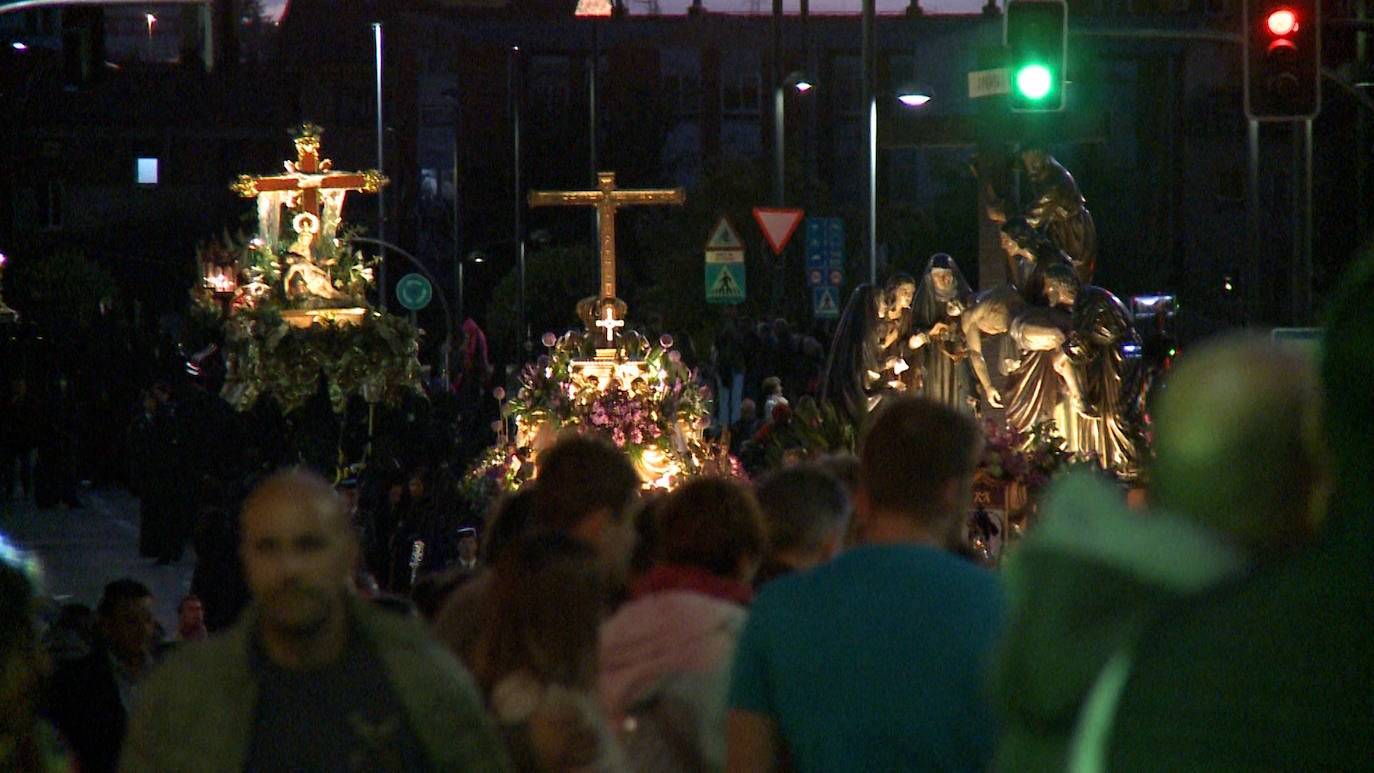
(198, 657)
(463, 608)
(404, 638)
(791, 591)
(74, 679)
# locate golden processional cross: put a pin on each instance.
(607, 199)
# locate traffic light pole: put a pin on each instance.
(1253, 245)
(1302, 223)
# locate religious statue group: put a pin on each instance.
(1046, 345)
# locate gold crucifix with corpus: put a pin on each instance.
(607, 199)
(309, 185)
(308, 175)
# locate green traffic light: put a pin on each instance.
(1034, 81)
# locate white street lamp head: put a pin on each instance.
(798, 82)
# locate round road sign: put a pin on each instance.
(414, 292)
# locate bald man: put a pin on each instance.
(1238, 481)
(1274, 672)
(1238, 443)
(310, 677)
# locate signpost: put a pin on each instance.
(414, 292)
(724, 265)
(825, 264)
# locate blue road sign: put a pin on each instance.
(825, 302)
(414, 292)
(825, 264)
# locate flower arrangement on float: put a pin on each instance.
(643, 399)
(1015, 469)
(1028, 460)
(271, 348)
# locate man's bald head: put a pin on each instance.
(298, 487)
(298, 554)
(1237, 443)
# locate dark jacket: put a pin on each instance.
(197, 710)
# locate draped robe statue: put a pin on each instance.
(938, 337)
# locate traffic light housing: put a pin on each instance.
(1282, 59)
(1035, 33)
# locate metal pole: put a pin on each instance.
(592, 67)
(871, 104)
(457, 219)
(1302, 235)
(1252, 218)
(457, 229)
(809, 112)
(513, 92)
(778, 75)
(591, 116)
(381, 166)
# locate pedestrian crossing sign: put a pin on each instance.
(826, 302)
(724, 286)
(724, 265)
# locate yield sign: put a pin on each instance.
(778, 225)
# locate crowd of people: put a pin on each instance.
(822, 617)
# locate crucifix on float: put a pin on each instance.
(607, 199)
(310, 183)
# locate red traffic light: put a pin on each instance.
(1282, 59)
(1282, 22)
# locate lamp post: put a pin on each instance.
(777, 104)
(513, 86)
(800, 84)
(151, 19)
(475, 256)
(381, 161)
(868, 45)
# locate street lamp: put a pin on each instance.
(151, 19)
(514, 86)
(476, 256)
(913, 95)
(798, 83)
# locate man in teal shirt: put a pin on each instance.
(876, 661)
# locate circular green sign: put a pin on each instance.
(414, 292)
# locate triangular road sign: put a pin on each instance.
(724, 237)
(826, 304)
(778, 225)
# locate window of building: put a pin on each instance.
(848, 103)
(145, 171)
(681, 71)
(740, 84)
(547, 84)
